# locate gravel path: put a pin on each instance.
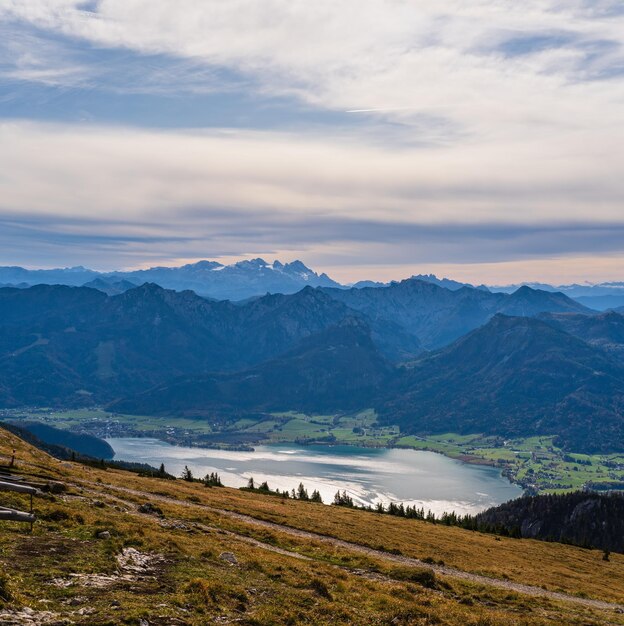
(378, 554)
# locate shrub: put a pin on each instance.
(320, 588)
(423, 577)
(6, 595)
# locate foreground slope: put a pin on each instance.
(515, 377)
(194, 556)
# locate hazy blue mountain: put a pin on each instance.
(515, 286)
(110, 286)
(207, 278)
(602, 296)
(15, 285)
(340, 368)
(368, 283)
(438, 316)
(602, 303)
(74, 276)
(447, 283)
(515, 377)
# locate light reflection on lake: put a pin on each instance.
(369, 475)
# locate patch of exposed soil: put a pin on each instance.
(134, 566)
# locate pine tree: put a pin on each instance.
(251, 484)
(212, 480)
(316, 496)
(343, 499)
(187, 474)
(302, 493)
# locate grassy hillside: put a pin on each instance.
(217, 555)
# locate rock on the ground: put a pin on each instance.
(150, 509)
(229, 558)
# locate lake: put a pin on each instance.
(369, 475)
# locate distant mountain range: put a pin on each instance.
(257, 277)
(238, 281)
(523, 363)
(63, 345)
(437, 315)
(602, 296)
(447, 283)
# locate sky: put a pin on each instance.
(482, 140)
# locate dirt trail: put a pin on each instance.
(355, 547)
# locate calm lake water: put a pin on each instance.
(369, 475)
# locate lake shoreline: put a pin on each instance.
(389, 474)
(536, 463)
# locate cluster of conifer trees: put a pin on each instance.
(301, 493)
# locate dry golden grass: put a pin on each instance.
(555, 566)
(193, 585)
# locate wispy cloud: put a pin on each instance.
(337, 201)
(497, 115)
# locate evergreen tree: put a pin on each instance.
(343, 499)
(302, 493)
(316, 497)
(187, 474)
(212, 480)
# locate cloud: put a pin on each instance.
(447, 61)
(69, 170)
(502, 121)
(99, 193)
